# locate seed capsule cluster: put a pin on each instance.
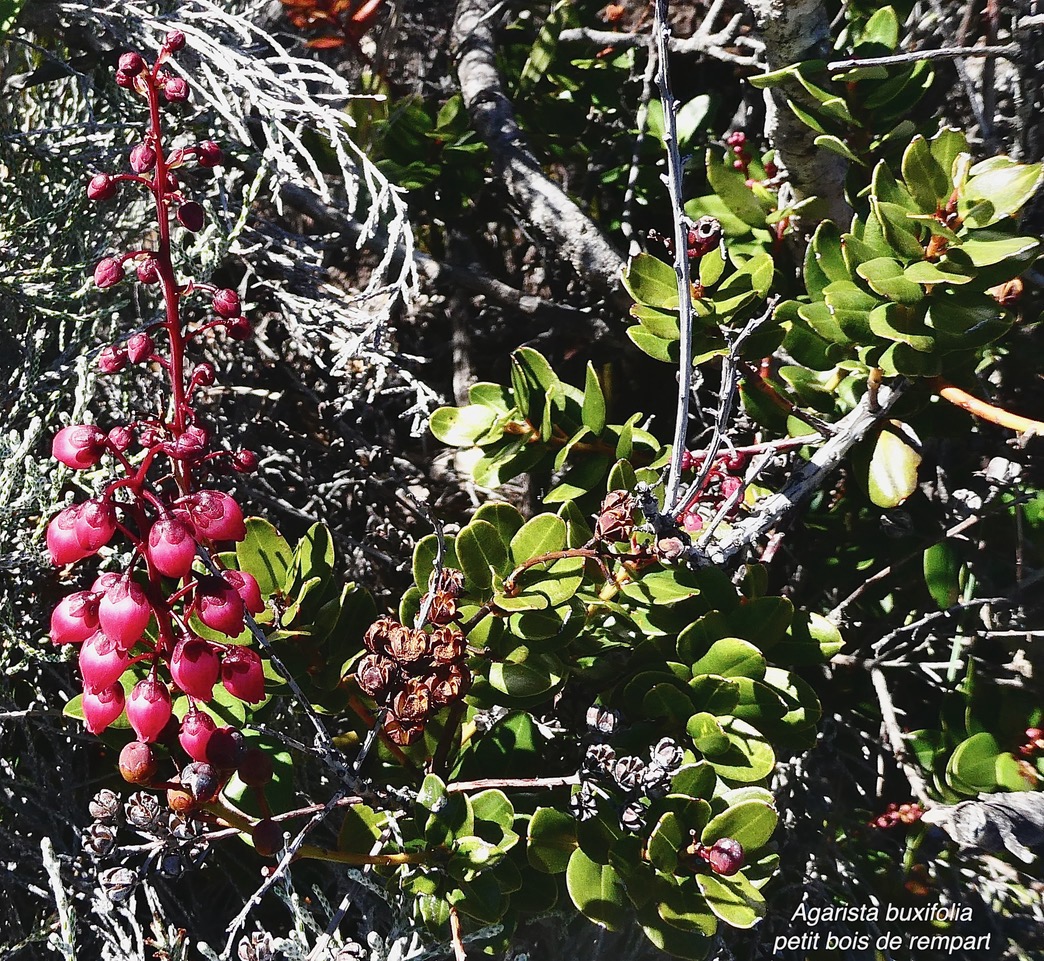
(415, 672)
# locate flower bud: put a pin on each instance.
(239, 328)
(171, 548)
(124, 80)
(75, 618)
(216, 516)
(725, 856)
(104, 581)
(174, 41)
(197, 727)
(139, 347)
(226, 303)
(194, 665)
(62, 542)
(267, 836)
(108, 273)
(131, 64)
(191, 444)
(95, 524)
(246, 586)
(245, 462)
(219, 606)
(101, 708)
(147, 270)
(101, 187)
(176, 90)
(243, 675)
(208, 154)
(148, 708)
(225, 748)
(204, 374)
(78, 446)
(102, 662)
(190, 216)
(124, 613)
(121, 438)
(142, 158)
(112, 359)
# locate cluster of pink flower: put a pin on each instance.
(723, 481)
(143, 613)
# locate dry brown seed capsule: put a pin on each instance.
(451, 582)
(401, 733)
(615, 522)
(105, 806)
(443, 607)
(413, 702)
(118, 883)
(376, 637)
(447, 645)
(375, 673)
(449, 683)
(407, 646)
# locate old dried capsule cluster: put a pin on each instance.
(138, 651)
(414, 672)
(615, 521)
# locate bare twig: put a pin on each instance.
(681, 259)
(894, 737)
(518, 783)
(546, 207)
(849, 431)
(1009, 51)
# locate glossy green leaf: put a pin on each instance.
(597, 891)
(712, 266)
(265, 554)
(683, 907)
(462, 426)
(482, 554)
(651, 282)
(540, 535)
(882, 28)
(361, 829)
(942, 568)
(732, 899)
(998, 188)
(594, 402)
(974, 763)
(750, 823)
(899, 323)
(506, 518)
(671, 940)
(551, 840)
(929, 184)
(812, 639)
(533, 678)
(707, 735)
(885, 277)
(490, 395)
(713, 694)
(657, 348)
(924, 272)
(893, 468)
(749, 759)
(731, 657)
(984, 251)
(731, 187)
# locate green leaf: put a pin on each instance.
(491, 395)
(750, 823)
(749, 759)
(551, 840)
(597, 891)
(985, 252)
(682, 906)
(998, 188)
(837, 145)
(694, 780)
(712, 266)
(656, 347)
(882, 28)
(731, 657)
(716, 695)
(929, 184)
(541, 535)
(893, 468)
(885, 277)
(543, 50)
(734, 899)
(594, 402)
(923, 272)
(812, 639)
(897, 322)
(707, 735)
(361, 829)
(942, 569)
(462, 426)
(731, 187)
(671, 940)
(668, 586)
(974, 763)
(651, 282)
(9, 10)
(534, 678)
(264, 554)
(658, 323)
(946, 146)
(482, 554)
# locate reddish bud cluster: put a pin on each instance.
(898, 814)
(413, 672)
(1034, 743)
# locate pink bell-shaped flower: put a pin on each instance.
(75, 618)
(62, 543)
(124, 612)
(102, 662)
(216, 515)
(219, 605)
(194, 665)
(95, 525)
(79, 446)
(101, 708)
(247, 587)
(171, 548)
(148, 708)
(243, 675)
(196, 729)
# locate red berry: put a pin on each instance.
(225, 748)
(226, 303)
(75, 618)
(738, 165)
(191, 444)
(142, 158)
(108, 273)
(171, 548)
(219, 606)
(101, 187)
(204, 374)
(245, 462)
(131, 64)
(101, 708)
(197, 727)
(124, 613)
(239, 328)
(78, 446)
(102, 662)
(148, 708)
(176, 90)
(194, 666)
(137, 763)
(725, 856)
(243, 675)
